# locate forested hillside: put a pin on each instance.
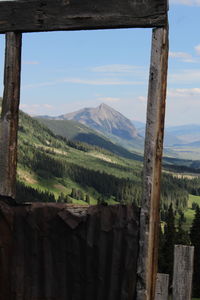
(47, 162)
(50, 163)
(75, 131)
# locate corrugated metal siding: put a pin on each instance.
(65, 252)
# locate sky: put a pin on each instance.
(66, 71)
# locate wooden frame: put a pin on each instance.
(43, 15)
(150, 209)
(20, 16)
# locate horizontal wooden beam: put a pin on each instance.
(49, 15)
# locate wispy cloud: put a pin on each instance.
(109, 99)
(142, 99)
(33, 109)
(117, 68)
(39, 84)
(184, 92)
(197, 49)
(186, 2)
(183, 56)
(183, 106)
(104, 81)
(190, 76)
(27, 62)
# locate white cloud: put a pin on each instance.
(27, 62)
(116, 68)
(34, 109)
(142, 99)
(41, 84)
(188, 93)
(109, 99)
(189, 76)
(183, 106)
(186, 2)
(48, 106)
(197, 49)
(183, 56)
(104, 81)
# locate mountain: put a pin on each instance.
(138, 124)
(169, 138)
(104, 119)
(186, 133)
(183, 141)
(72, 130)
(108, 122)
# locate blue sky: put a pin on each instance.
(66, 71)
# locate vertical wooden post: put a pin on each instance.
(149, 217)
(9, 115)
(183, 271)
(162, 285)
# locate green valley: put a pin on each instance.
(50, 163)
(53, 164)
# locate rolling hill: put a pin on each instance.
(75, 131)
(186, 133)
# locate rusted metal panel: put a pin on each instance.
(46, 15)
(64, 252)
(150, 214)
(9, 115)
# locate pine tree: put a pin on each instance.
(161, 258)
(61, 198)
(195, 240)
(73, 193)
(87, 198)
(67, 199)
(182, 236)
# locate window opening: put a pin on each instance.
(102, 75)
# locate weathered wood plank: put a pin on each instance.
(149, 218)
(39, 249)
(183, 271)
(162, 285)
(47, 15)
(9, 115)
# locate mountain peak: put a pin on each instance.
(104, 106)
(106, 120)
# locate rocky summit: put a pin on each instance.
(104, 119)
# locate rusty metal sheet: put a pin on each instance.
(60, 251)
